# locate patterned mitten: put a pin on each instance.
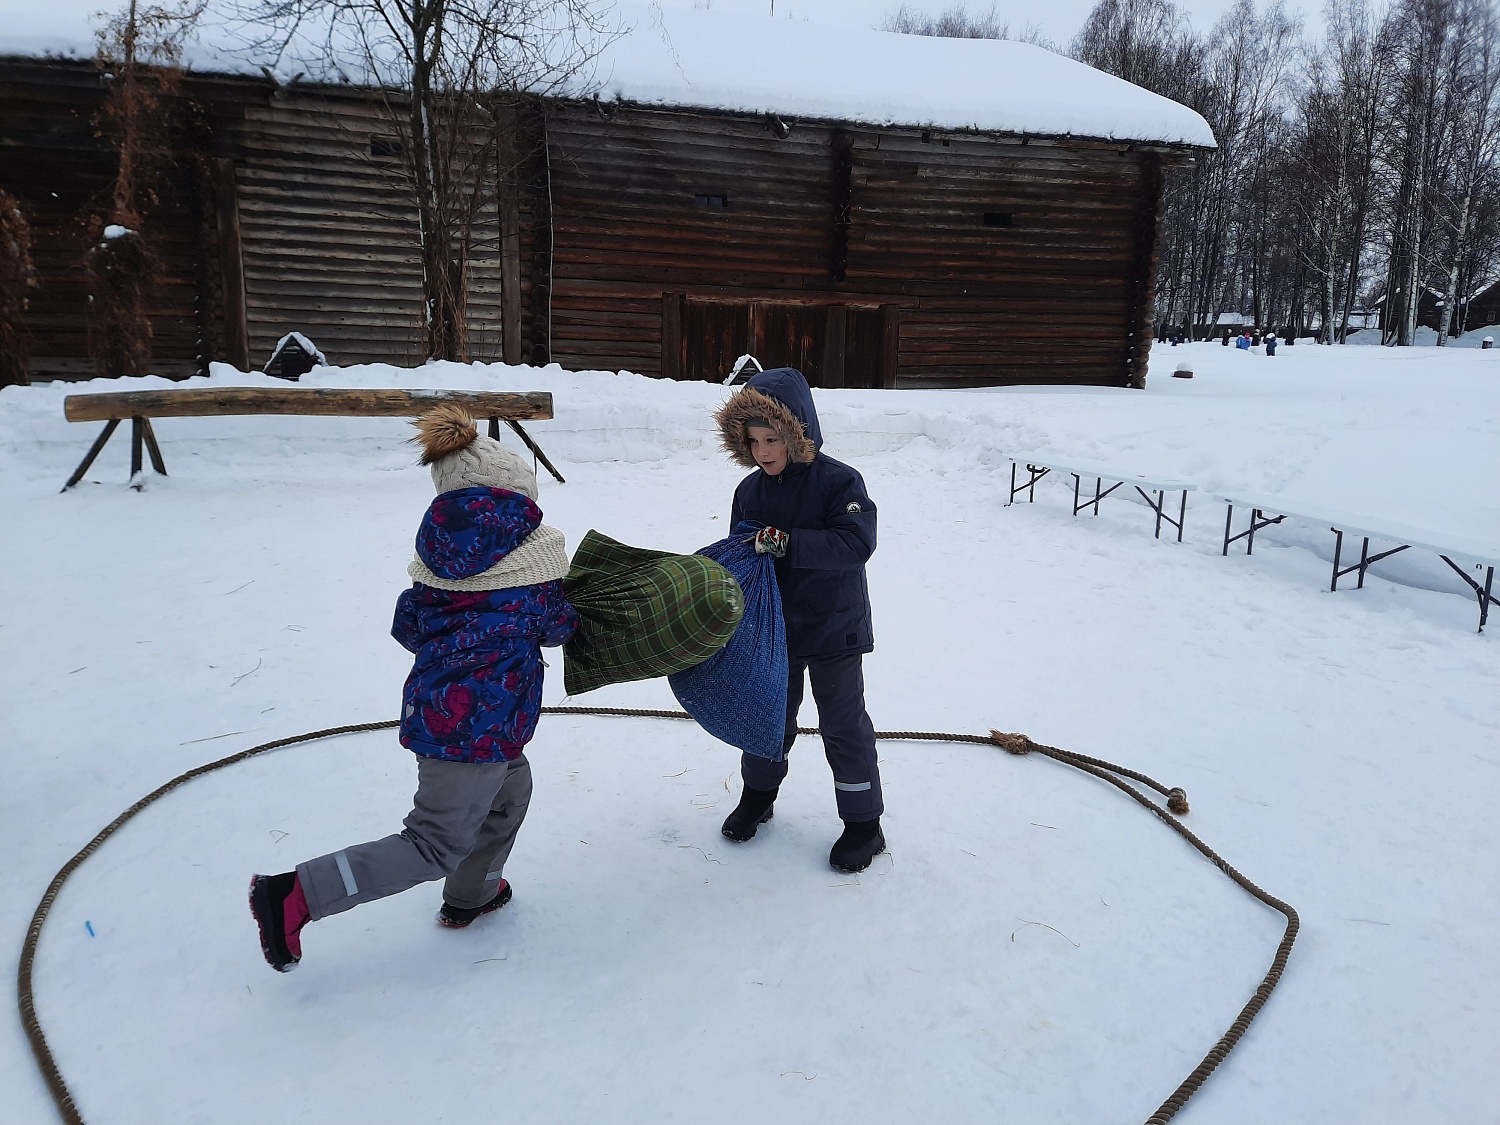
(769, 541)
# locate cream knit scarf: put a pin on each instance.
(541, 557)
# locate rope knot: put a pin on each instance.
(1177, 801)
(1011, 743)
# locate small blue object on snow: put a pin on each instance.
(739, 693)
(90, 927)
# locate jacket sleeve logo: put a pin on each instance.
(854, 506)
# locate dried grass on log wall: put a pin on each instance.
(17, 275)
(122, 271)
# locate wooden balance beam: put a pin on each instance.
(140, 407)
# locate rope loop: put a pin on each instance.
(1018, 744)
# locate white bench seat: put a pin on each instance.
(1038, 467)
(1268, 510)
(1438, 542)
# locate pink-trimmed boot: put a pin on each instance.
(280, 910)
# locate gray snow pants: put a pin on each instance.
(462, 825)
(838, 687)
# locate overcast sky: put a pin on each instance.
(1056, 19)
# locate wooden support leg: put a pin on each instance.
(99, 442)
(152, 448)
(135, 454)
(536, 450)
(495, 428)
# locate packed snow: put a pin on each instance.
(1035, 947)
(673, 56)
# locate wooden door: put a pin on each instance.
(785, 335)
(715, 334)
(832, 345)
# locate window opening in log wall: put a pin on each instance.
(712, 202)
(998, 219)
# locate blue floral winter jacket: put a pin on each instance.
(475, 689)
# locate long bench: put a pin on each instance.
(1037, 468)
(140, 407)
(1268, 510)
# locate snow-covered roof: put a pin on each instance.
(720, 60)
(698, 57)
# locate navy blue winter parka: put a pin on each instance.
(823, 507)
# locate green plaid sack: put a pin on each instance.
(644, 613)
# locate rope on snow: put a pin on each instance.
(1017, 744)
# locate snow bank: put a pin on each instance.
(1427, 337)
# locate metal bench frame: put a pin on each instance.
(1259, 520)
(1036, 471)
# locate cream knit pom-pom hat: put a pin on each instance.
(461, 457)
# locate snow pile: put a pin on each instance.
(1035, 948)
(1384, 434)
(1427, 337)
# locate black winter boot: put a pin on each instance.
(861, 842)
(755, 808)
(457, 917)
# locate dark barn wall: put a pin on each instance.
(329, 235)
(666, 241)
(684, 239)
(275, 216)
(52, 159)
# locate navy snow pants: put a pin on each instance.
(838, 687)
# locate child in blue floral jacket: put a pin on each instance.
(487, 597)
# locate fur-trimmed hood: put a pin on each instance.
(783, 399)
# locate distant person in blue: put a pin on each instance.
(820, 528)
(1271, 342)
(1243, 341)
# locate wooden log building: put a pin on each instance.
(664, 234)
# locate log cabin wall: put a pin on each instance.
(282, 211)
(664, 241)
(329, 235)
(53, 160)
(867, 257)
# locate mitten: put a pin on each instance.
(769, 541)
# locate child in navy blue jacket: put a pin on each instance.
(820, 527)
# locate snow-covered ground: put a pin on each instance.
(1035, 948)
